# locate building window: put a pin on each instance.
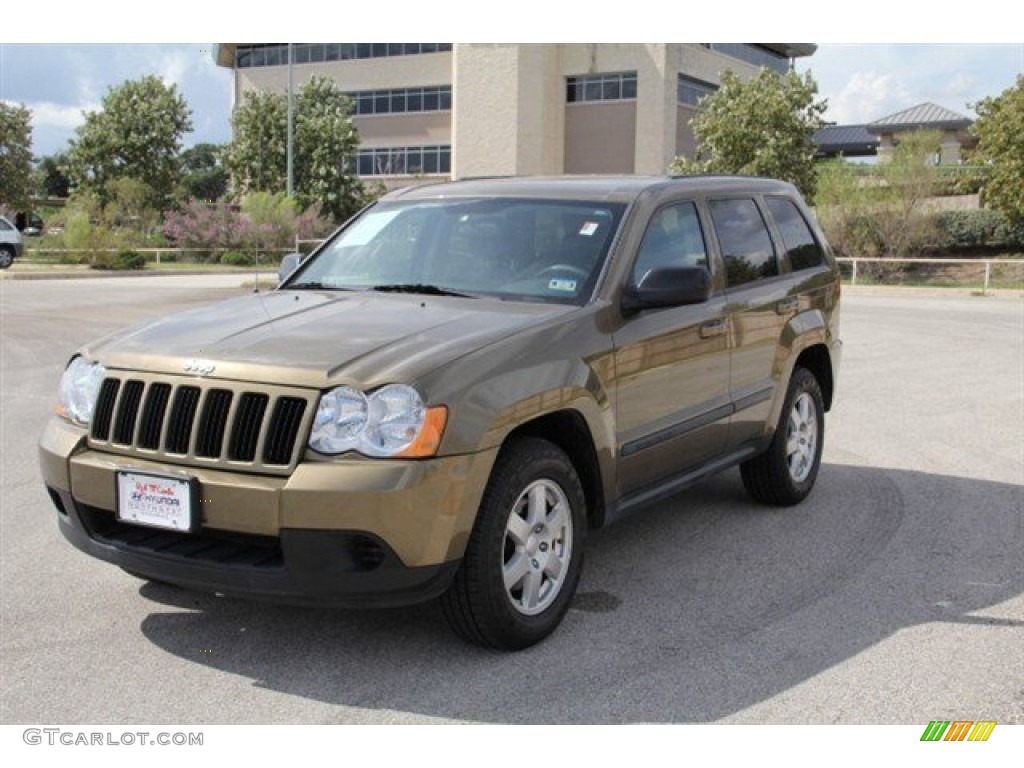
(404, 161)
(610, 87)
(276, 54)
(752, 54)
(398, 100)
(691, 90)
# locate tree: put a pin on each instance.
(325, 141)
(257, 156)
(15, 155)
(761, 127)
(902, 224)
(880, 210)
(136, 134)
(1000, 132)
(52, 174)
(205, 177)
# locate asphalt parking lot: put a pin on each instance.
(893, 595)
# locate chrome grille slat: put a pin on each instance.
(220, 424)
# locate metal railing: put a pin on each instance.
(157, 252)
(854, 263)
(315, 241)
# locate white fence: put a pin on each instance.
(987, 264)
(276, 253)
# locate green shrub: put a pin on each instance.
(74, 257)
(981, 229)
(235, 259)
(122, 260)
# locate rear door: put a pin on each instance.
(759, 303)
(672, 364)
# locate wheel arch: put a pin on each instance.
(568, 429)
(818, 361)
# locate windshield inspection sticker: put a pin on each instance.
(561, 284)
(589, 228)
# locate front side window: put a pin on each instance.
(801, 247)
(539, 250)
(673, 239)
(744, 240)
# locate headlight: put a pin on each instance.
(79, 388)
(391, 421)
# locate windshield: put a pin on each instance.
(549, 250)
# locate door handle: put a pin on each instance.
(786, 306)
(712, 329)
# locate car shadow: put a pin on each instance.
(687, 612)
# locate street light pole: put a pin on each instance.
(291, 128)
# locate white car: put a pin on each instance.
(11, 244)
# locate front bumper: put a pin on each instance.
(353, 532)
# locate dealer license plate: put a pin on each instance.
(158, 501)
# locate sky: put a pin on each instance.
(862, 82)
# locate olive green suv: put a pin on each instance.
(443, 398)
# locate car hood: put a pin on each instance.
(318, 338)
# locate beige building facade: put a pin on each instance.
(440, 110)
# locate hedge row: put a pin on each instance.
(981, 229)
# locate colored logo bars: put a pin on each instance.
(958, 730)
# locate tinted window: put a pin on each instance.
(801, 246)
(673, 239)
(744, 239)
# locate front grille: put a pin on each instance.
(202, 424)
(128, 412)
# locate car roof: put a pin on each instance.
(596, 188)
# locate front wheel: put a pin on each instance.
(784, 474)
(525, 556)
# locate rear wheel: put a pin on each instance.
(525, 556)
(6, 256)
(785, 473)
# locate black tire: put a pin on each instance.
(6, 256)
(478, 606)
(781, 477)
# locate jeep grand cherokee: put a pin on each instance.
(452, 389)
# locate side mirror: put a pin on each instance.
(288, 265)
(668, 287)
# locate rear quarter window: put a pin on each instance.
(801, 247)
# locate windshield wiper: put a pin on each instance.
(316, 286)
(424, 288)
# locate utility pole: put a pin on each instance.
(291, 128)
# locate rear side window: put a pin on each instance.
(4, 226)
(673, 239)
(744, 239)
(803, 250)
